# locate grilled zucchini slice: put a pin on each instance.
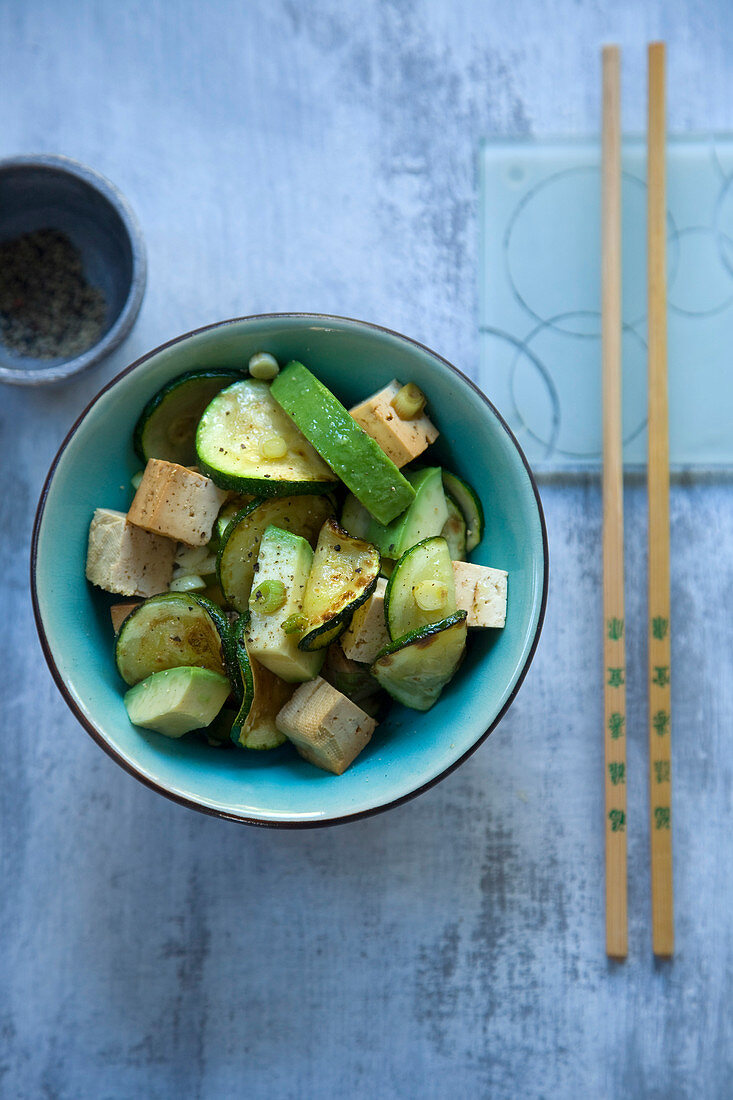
(421, 589)
(226, 515)
(355, 681)
(468, 501)
(425, 516)
(344, 574)
(218, 733)
(170, 631)
(240, 544)
(354, 518)
(454, 530)
(415, 669)
(258, 729)
(246, 442)
(239, 668)
(167, 425)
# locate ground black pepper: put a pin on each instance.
(47, 308)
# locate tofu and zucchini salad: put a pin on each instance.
(293, 564)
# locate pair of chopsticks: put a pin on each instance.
(613, 531)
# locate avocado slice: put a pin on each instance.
(285, 558)
(361, 463)
(425, 517)
(177, 700)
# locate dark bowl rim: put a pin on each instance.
(56, 162)
(191, 803)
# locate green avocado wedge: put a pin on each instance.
(357, 459)
(177, 700)
(284, 560)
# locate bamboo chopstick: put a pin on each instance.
(614, 660)
(660, 710)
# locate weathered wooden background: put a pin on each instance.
(322, 156)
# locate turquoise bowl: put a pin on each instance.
(409, 751)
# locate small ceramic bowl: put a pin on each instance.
(38, 192)
(409, 750)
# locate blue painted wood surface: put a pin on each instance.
(322, 156)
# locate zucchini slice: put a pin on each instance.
(240, 545)
(218, 733)
(424, 518)
(344, 574)
(214, 593)
(468, 501)
(166, 427)
(454, 530)
(170, 631)
(258, 729)
(421, 589)
(415, 669)
(227, 514)
(239, 668)
(246, 442)
(355, 681)
(354, 518)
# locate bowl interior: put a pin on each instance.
(409, 749)
(43, 196)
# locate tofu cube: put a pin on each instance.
(176, 502)
(367, 632)
(118, 612)
(326, 728)
(482, 592)
(124, 559)
(401, 440)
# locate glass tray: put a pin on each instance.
(539, 303)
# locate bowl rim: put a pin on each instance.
(56, 162)
(191, 803)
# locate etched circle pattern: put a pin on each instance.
(548, 372)
(547, 213)
(571, 431)
(701, 248)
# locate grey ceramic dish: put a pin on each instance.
(55, 191)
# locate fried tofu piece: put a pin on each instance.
(367, 631)
(482, 592)
(176, 502)
(401, 440)
(326, 728)
(126, 560)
